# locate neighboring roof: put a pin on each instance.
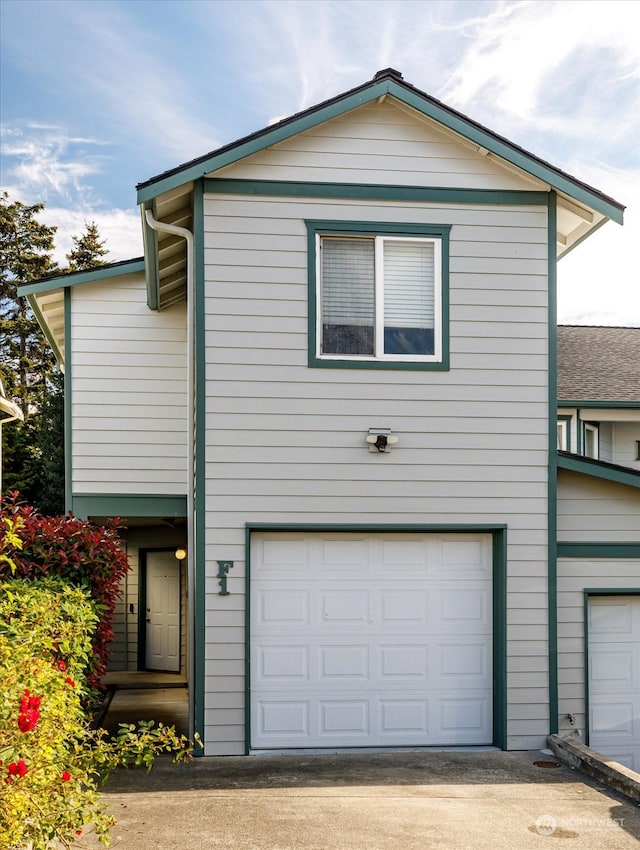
(388, 81)
(59, 281)
(598, 364)
(599, 469)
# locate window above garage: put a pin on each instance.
(378, 295)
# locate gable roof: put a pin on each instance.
(598, 364)
(169, 197)
(385, 82)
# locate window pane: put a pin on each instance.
(409, 269)
(347, 296)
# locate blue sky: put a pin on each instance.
(98, 95)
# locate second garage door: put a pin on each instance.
(614, 677)
(370, 640)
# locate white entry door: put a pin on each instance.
(614, 678)
(163, 612)
(371, 640)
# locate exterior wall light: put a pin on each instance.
(380, 440)
(181, 554)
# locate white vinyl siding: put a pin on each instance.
(381, 143)
(128, 367)
(591, 509)
(286, 444)
(626, 436)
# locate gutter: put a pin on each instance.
(187, 235)
(11, 410)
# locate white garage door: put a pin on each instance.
(614, 678)
(371, 640)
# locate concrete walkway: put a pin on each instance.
(416, 800)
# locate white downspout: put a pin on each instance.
(188, 236)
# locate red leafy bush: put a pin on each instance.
(78, 551)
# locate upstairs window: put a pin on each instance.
(379, 299)
(590, 440)
(563, 442)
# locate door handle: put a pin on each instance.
(148, 619)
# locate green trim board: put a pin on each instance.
(384, 84)
(552, 474)
(599, 469)
(75, 278)
(68, 407)
(601, 404)
(200, 472)
(374, 228)
(588, 593)
(373, 192)
(499, 587)
(128, 505)
(596, 549)
(152, 268)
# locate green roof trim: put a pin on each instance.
(599, 469)
(374, 191)
(74, 278)
(390, 83)
(126, 505)
(573, 549)
(601, 404)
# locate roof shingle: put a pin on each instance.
(598, 363)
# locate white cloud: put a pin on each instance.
(42, 162)
(120, 229)
(516, 47)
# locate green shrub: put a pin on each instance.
(52, 762)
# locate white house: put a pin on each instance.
(332, 381)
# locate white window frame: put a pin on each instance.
(563, 435)
(590, 428)
(379, 354)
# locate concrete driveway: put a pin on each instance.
(478, 800)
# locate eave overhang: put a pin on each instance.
(581, 209)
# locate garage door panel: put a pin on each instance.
(345, 557)
(352, 719)
(343, 662)
(395, 651)
(281, 664)
(614, 677)
(283, 607)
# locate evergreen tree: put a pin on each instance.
(26, 248)
(26, 360)
(88, 250)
